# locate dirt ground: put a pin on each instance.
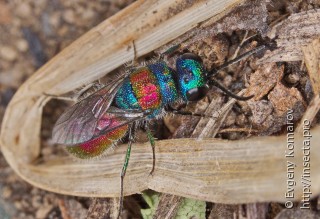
(32, 32)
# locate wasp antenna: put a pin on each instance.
(214, 82)
(239, 58)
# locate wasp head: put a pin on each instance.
(191, 77)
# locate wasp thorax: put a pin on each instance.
(191, 77)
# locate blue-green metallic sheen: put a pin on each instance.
(190, 74)
(164, 75)
(126, 97)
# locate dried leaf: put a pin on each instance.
(284, 99)
(242, 20)
(237, 19)
(292, 34)
(312, 60)
(264, 79)
(261, 110)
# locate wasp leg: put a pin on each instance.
(124, 169)
(152, 143)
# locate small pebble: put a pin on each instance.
(18, 205)
(88, 15)
(43, 211)
(230, 119)
(241, 120)
(5, 13)
(227, 81)
(69, 16)
(36, 201)
(6, 192)
(54, 19)
(23, 10)
(22, 45)
(63, 31)
(8, 53)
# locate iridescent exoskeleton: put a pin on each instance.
(90, 127)
(95, 123)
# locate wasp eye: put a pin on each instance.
(197, 93)
(191, 56)
(186, 80)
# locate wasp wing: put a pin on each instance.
(78, 123)
(111, 127)
(115, 118)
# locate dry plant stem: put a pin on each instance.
(278, 20)
(208, 169)
(238, 48)
(204, 125)
(169, 206)
(256, 210)
(218, 116)
(248, 130)
(311, 54)
(310, 113)
(312, 59)
(64, 210)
